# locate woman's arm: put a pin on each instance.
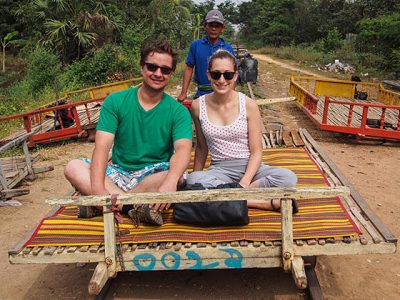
(201, 150)
(255, 144)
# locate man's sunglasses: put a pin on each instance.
(153, 67)
(217, 75)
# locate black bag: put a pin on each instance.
(214, 213)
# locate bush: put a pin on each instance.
(98, 67)
(332, 41)
(43, 68)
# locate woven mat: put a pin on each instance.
(317, 217)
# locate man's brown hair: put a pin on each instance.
(158, 46)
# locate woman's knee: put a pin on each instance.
(289, 179)
(279, 178)
(205, 178)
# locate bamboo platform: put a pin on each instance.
(286, 253)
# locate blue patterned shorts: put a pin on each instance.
(127, 180)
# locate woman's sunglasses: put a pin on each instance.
(217, 75)
(153, 67)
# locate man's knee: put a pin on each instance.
(74, 168)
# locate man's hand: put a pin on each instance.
(165, 187)
(181, 97)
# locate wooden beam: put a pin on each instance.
(261, 102)
(298, 272)
(270, 256)
(7, 194)
(110, 253)
(378, 224)
(203, 196)
(287, 234)
(99, 279)
(250, 90)
(17, 141)
(38, 170)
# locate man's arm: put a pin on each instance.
(187, 77)
(178, 164)
(103, 144)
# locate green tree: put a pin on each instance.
(70, 26)
(380, 36)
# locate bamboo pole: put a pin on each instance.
(203, 196)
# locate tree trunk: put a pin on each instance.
(4, 59)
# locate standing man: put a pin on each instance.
(151, 133)
(200, 52)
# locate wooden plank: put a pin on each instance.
(98, 279)
(286, 139)
(16, 141)
(248, 253)
(272, 139)
(250, 90)
(20, 245)
(267, 142)
(371, 231)
(38, 170)
(110, 252)
(3, 180)
(261, 102)
(204, 196)
(298, 273)
(287, 234)
(296, 138)
(27, 158)
(377, 223)
(7, 194)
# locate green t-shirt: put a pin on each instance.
(143, 137)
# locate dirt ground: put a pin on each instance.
(372, 167)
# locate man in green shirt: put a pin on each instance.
(151, 133)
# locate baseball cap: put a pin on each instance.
(214, 15)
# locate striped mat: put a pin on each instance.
(317, 218)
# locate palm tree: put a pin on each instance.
(71, 26)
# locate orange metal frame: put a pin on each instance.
(36, 118)
(300, 87)
(364, 130)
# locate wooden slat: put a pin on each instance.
(204, 196)
(296, 138)
(377, 223)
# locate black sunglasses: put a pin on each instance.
(153, 67)
(217, 75)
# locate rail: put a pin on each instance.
(367, 127)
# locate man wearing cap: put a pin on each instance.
(200, 52)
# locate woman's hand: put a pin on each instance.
(244, 184)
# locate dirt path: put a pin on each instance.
(285, 65)
(372, 168)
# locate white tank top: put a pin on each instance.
(226, 142)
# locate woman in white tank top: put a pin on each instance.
(228, 125)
